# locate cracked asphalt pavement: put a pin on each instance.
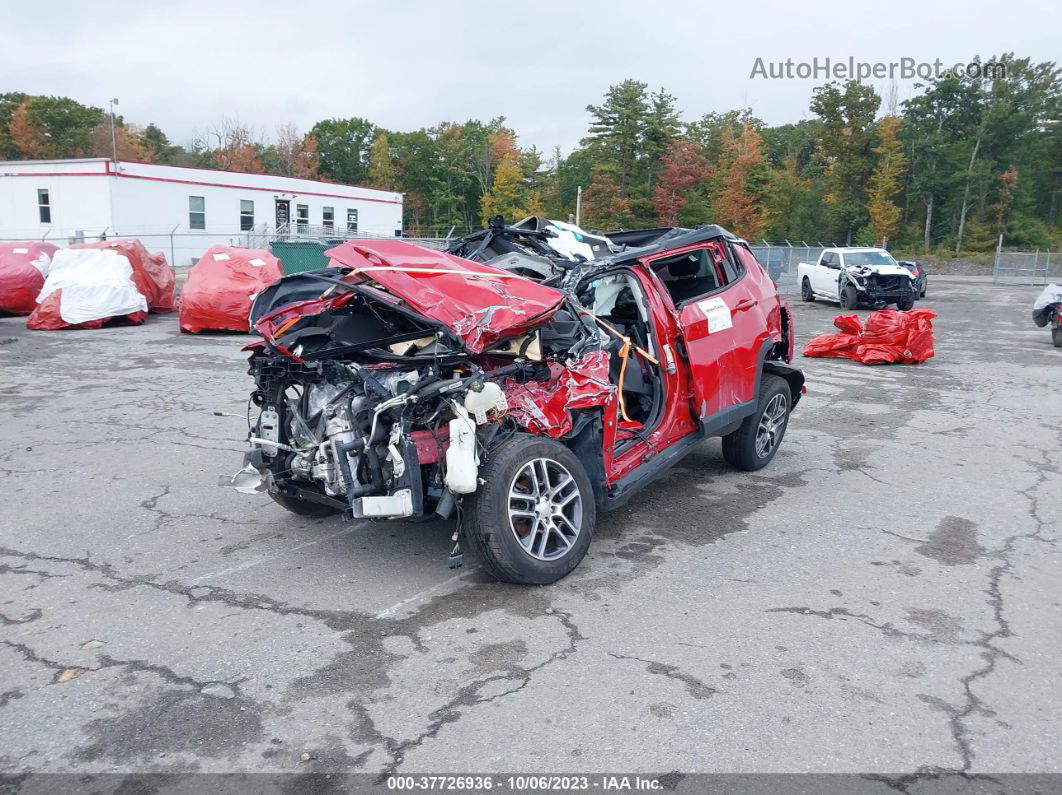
(883, 599)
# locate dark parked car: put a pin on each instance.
(920, 275)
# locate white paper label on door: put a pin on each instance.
(718, 314)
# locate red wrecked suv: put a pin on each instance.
(404, 382)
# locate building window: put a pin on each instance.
(352, 220)
(246, 215)
(328, 217)
(302, 218)
(196, 212)
(44, 205)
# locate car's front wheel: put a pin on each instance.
(905, 303)
(531, 519)
(754, 443)
(849, 297)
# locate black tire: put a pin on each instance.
(849, 297)
(905, 304)
(740, 448)
(1056, 336)
(806, 292)
(923, 293)
(492, 533)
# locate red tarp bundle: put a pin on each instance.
(22, 270)
(887, 337)
(87, 294)
(152, 275)
(222, 285)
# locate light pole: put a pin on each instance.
(114, 140)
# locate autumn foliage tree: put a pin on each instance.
(127, 142)
(26, 137)
(684, 168)
(232, 148)
(294, 154)
(604, 205)
(886, 181)
(739, 205)
(504, 197)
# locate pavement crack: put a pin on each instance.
(467, 696)
(694, 686)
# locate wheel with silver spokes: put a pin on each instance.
(545, 509)
(531, 519)
(754, 443)
(772, 422)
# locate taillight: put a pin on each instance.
(914, 272)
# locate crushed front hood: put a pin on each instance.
(479, 303)
(882, 270)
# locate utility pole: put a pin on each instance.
(578, 203)
(114, 140)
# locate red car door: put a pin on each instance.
(718, 304)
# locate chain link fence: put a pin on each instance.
(1027, 267)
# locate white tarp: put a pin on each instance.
(96, 284)
(1052, 294)
(43, 263)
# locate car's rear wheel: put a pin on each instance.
(754, 443)
(806, 292)
(849, 297)
(531, 519)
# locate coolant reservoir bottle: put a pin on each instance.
(462, 467)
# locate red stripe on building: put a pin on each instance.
(109, 173)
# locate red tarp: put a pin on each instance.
(222, 285)
(479, 303)
(887, 337)
(152, 275)
(20, 280)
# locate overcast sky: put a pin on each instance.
(406, 65)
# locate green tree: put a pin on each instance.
(617, 132)
(381, 169)
(847, 113)
(343, 148)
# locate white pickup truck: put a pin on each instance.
(854, 276)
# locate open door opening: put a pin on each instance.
(619, 307)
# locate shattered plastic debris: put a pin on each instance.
(221, 287)
(886, 338)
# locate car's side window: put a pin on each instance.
(695, 274)
(829, 259)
